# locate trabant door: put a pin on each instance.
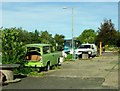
(47, 55)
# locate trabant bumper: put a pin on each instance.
(34, 64)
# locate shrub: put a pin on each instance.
(13, 51)
(69, 56)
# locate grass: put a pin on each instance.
(41, 74)
(36, 74)
(111, 48)
(69, 58)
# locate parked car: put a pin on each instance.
(89, 49)
(42, 55)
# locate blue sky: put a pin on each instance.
(52, 17)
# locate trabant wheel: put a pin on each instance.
(59, 64)
(48, 67)
(40, 69)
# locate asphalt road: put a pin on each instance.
(79, 74)
(56, 83)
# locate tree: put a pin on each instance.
(46, 38)
(107, 33)
(59, 39)
(87, 36)
(24, 36)
(35, 38)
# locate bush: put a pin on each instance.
(69, 56)
(111, 48)
(13, 51)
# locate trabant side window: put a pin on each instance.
(33, 48)
(46, 49)
(51, 48)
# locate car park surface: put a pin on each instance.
(97, 73)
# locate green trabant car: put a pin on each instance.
(42, 55)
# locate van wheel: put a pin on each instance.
(89, 56)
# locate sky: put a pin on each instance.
(60, 0)
(52, 17)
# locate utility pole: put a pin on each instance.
(72, 33)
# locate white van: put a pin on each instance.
(89, 49)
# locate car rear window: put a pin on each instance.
(33, 49)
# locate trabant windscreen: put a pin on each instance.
(33, 49)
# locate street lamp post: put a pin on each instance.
(72, 31)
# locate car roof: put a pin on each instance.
(37, 45)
